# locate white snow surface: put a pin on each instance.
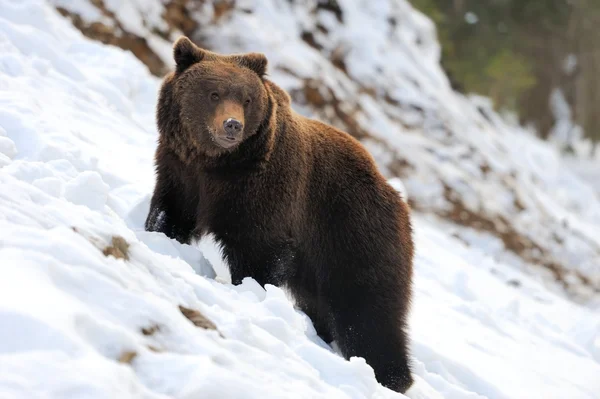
(77, 138)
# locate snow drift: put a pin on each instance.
(93, 306)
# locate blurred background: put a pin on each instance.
(538, 58)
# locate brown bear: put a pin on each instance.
(292, 202)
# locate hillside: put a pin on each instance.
(93, 306)
(372, 68)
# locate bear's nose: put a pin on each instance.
(232, 127)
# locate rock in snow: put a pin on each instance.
(91, 306)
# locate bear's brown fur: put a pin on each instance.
(292, 202)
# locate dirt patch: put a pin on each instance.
(322, 99)
(154, 349)
(400, 167)
(150, 330)
(338, 59)
(127, 357)
(117, 36)
(119, 248)
(331, 6)
(222, 8)
(309, 38)
(177, 16)
(198, 319)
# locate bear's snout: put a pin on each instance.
(232, 128)
(229, 124)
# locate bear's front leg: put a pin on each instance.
(167, 215)
(244, 263)
(266, 263)
(172, 208)
(157, 218)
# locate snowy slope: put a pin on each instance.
(90, 303)
(372, 68)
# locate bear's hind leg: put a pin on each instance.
(370, 324)
(368, 282)
(319, 315)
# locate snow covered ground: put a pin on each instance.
(91, 306)
(371, 67)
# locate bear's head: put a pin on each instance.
(221, 99)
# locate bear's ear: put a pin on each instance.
(186, 53)
(256, 62)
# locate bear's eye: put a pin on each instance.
(247, 102)
(214, 96)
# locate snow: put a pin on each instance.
(77, 139)
(471, 18)
(570, 64)
(565, 131)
